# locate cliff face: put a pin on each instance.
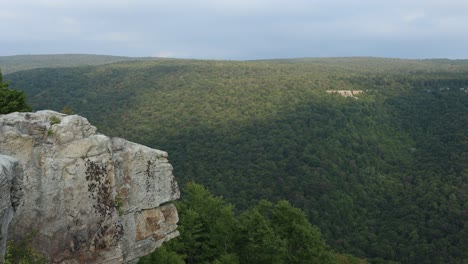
(10, 196)
(89, 198)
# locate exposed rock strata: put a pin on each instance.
(90, 198)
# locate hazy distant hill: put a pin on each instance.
(9, 64)
(383, 176)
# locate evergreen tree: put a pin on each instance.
(211, 233)
(11, 100)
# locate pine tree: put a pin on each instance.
(11, 100)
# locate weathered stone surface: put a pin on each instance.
(90, 198)
(10, 196)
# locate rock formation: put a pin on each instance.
(10, 196)
(87, 198)
(346, 93)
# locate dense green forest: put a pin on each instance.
(212, 233)
(16, 63)
(383, 175)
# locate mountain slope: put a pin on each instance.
(384, 176)
(9, 64)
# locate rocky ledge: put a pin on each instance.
(83, 197)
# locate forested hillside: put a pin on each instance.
(10, 64)
(383, 175)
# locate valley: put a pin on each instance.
(384, 177)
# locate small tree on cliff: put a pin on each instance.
(11, 100)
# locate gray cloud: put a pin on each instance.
(236, 29)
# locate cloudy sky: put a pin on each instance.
(236, 29)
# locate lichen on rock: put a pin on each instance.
(91, 198)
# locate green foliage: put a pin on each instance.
(227, 259)
(383, 176)
(119, 203)
(11, 100)
(162, 256)
(21, 252)
(349, 259)
(303, 241)
(54, 120)
(206, 225)
(260, 243)
(212, 233)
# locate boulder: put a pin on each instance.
(88, 198)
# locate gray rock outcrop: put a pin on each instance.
(10, 196)
(88, 198)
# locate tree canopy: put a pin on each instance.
(11, 100)
(383, 176)
(210, 232)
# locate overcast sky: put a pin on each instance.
(236, 29)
